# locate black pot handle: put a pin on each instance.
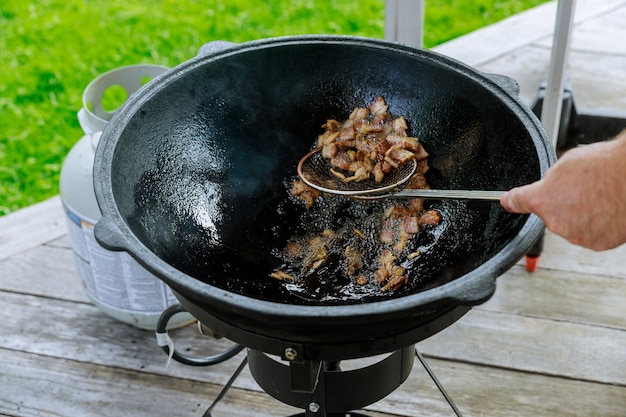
(214, 47)
(473, 293)
(109, 235)
(506, 82)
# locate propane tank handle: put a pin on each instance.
(87, 122)
(93, 117)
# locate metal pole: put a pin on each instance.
(404, 21)
(557, 72)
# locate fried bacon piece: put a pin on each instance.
(430, 218)
(306, 194)
(354, 260)
(316, 253)
(294, 250)
(395, 282)
(361, 280)
(281, 276)
(401, 222)
(390, 274)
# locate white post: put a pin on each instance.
(404, 21)
(557, 72)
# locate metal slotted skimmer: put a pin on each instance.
(316, 172)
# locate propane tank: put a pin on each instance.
(116, 283)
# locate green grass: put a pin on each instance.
(51, 49)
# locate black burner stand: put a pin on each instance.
(322, 389)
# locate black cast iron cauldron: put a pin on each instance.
(192, 176)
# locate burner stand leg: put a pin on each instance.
(437, 383)
(225, 388)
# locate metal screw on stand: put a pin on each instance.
(314, 407)
(291, 354)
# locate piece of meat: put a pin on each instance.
(415, 205)
(331, 125)
(354, 260)
(417, 181)
(401, 156)
(421, 153)
(329, 150)
(294, 250)
(281, 276)
(341, 160)
(359, 113)
(379, 175)
(315, 253)
(327, 138)
(381, 275)
(361, 280)
(305, 193)
(410, 225)
(404, 142)
(386, 236)
(379, 107)
(395, 282)
(399, 126)
(430, 218)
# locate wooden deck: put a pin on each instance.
(550, 343)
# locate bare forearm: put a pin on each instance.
(582, 197)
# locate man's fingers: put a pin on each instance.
(517, 200)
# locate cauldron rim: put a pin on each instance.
(472, 288)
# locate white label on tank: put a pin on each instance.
(114, 278)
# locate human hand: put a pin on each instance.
(582, 196)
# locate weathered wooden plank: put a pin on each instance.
(561, 295)
(32, 226)
(35, 385)
(595, 61)
(518, 31)
(486, 391)
(45, 270)
(563, 256)
(61, 242)
(481, 46)
(597, 80)
(79, 332)
(39, 385)
(528, 66)
(599, 36)
(542, 346)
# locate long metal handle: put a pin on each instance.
(437, 195)
(450, 194)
